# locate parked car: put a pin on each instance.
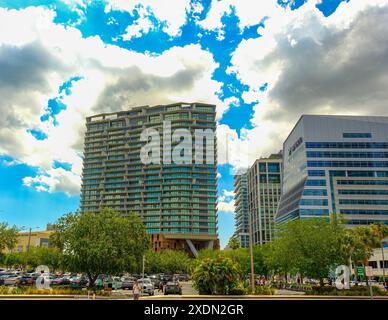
(127, 283)
(172, 288)
(10, 281)
(183, 277)
(34, 275)
(147, 285)
(155, 280)
(79, 281)
(58, 281)
(166, 277)
(24, 281)
(4, 276)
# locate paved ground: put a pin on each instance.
(283, 292)
(188, 292)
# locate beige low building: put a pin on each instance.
(376, 262)
(32, 239)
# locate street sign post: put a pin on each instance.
(369, 271)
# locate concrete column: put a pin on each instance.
(192, 248)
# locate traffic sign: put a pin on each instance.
(360, 271)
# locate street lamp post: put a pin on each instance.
(142, 289)
(251, 251)
(29, 238)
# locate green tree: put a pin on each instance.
(173, 261)
(310, 247)
(102, 242)
(50, 257)
(218, 275)
(168, 261)
(242, 257)
(380, 230)
(234, 243)
(15, 260)
(364, 241)
(8, 236)
(208, 253)
(278, 258)
(152, 262)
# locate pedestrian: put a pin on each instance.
(100, 283)
(136, 291)
(115, 283)
(110, 285)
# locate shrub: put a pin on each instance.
(4, 290)
(263, 290)
(55, 291)
(219, 275)
(354, 291)
(238, 291)
(19, 290)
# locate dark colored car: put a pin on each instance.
(127, 283)
(34, 275)
(24, 281)
(60, 281)
(79, 282)
(167, 277)
(172, 288)
(183, 277)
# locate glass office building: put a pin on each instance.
(177, 201)
(241, 209)
(264, 191)
(336, 164)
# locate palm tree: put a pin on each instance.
(364, 243)
(380, 231)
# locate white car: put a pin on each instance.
(11, 281)
(147, 285)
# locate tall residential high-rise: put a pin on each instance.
(177, 200)
(241, 209)
(264, 191)
(336, 164)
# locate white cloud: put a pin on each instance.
(141, 26)
(226, 201)
(55, 180)
(232, 102)
(227, 207)
(112, 79)
(249, 12)
(312, 64)
(228, 193)
(171, 14)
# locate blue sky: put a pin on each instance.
(244, 56)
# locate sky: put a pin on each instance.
(263, 63)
